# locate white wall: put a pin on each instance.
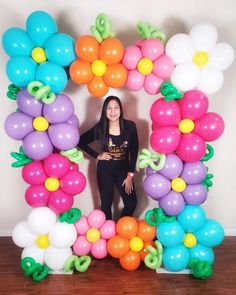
(75, 17)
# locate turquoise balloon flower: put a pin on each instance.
(39, 53)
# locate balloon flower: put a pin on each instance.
(99, 60)
(130, 242)
(44, 239)
(53, 183)
(147, 64)
(176, 184)
(93, 233)
(39, 53)
(191, 236)
(184, 126)
(199, 60)
(43, 127)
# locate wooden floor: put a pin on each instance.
(107, 277)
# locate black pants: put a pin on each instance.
(110, 174)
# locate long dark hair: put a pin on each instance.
(104, 123)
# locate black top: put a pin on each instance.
(120, 147)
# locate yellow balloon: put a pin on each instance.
(201, 58)
(52, 184)
(38, 54)
(42, 241)
(93, 235)
(40, 124)
(178, 184)
(98, 68)
(190, 240)
(186, 126)
(136, 244)
(145, 66)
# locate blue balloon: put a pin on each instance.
(192, 218)
(176, 258)
(15, 41)
(52, 75)
(211, 235)
(40, 26)
(60, 49)
(170, 234)
(21, 70)
(202, 253)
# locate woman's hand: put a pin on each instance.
(128, 183)
(104, 156)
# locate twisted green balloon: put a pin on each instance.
(34, 269)
(147, 31)
(73, 155)
(39, 91)
(207, 180)
(200, 269)
(13, 91)
(21, 158)
(153, 259)
(156, 216)
(81, 263)
(70, 216)
(102, 28)
(209, 154)
(148, 159)
(170, 92)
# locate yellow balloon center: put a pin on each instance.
(93, 235)
(186, 126)
(201, 58)
(42, 241)
(98, 68)
(145, 66)
(40, 124)
(136, 244)
(38, 54)
(178, 185)
(190, 240)
(52, 184)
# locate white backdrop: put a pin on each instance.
(75, 18)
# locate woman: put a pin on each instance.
(116, 164)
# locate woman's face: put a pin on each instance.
(113, 111)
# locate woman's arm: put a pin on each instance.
(88, 137)
(133, 149)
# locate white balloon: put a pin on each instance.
(41, 220)
(221, 56)
(56, 258)
(204, 36)
(34, 252)
(180, 48)
(22, 235)
(185, 76)
(211, 80)
(62, 235)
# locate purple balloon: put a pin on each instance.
(63, 136)
(173, 203)
(60, 110)
(173, 167)
(37, 145)
(194, 173)
(195, 194)
(74, 120)
(18, 125)
(28, 104)
(156, 186)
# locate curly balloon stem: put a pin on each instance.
(147, 31)
(170, 92)
(41, 92)
(102, 28)
(13, 91)
(21, 158)
(209, 154)
(34, 269)
(149, 159)
(200, 269)
(81, 263)
(70, 216)
(156, 216)
(153, 259)
(207, 180)
(73, 155)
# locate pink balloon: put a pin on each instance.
(152, 48)
(82, 246)
(33, 173)
(99, 249)
(165, 113)
(165, 140)
(135, 80)
(73, 183)
(37, 195)
(194, 104)
(131, 57)
(96, 218)
(82, 225)
(74, 167)
(60, 202)
(56, 165)
(108, 229)
(191, 148)
(210, 126)
(163, 67)
(152, 84)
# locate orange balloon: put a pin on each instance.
(87, 48)
(144, 251)
(127, 227)
(111, 51)
(130, 261)
(97, 87)
(146, 232)
(80, 72)
(115, 76)
(117, 246)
